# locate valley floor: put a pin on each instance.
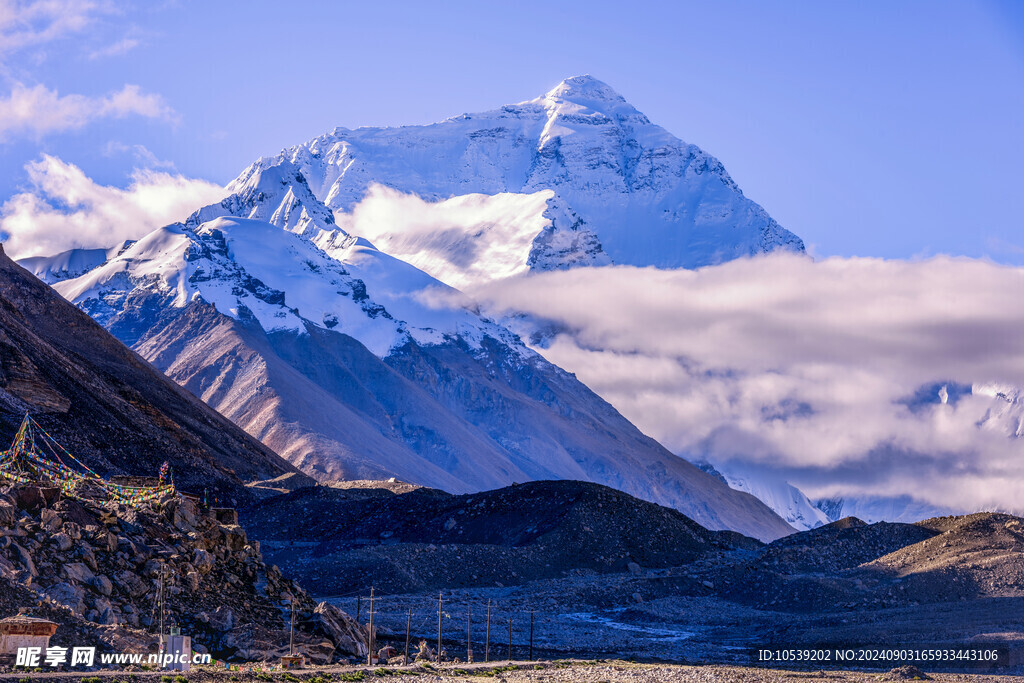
(641, 616)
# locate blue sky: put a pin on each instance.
(881, 129)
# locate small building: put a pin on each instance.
(292, 662)
(24, 631)
(177, 651)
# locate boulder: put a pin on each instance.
(348, 637)
(65, 594)
(130, 582)
(88, 556)
(77, 572)
(7, 515)
(203, 561)
(234, 537)
(51, 520)
(25, 559)
(185, 516)
(62, 541)
(222, 619)
(102, 585)
(33, 498)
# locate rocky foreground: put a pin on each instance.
(561, 671)
(97, 569)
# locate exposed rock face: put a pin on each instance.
(217, 587)
(106, 405)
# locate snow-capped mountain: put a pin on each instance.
(873, 509)
(71, 263)
(333, 356)
(1007, 412)
(786, 500)
(577, 176)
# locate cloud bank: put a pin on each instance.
(66, 209)
(828, 372)
(38, 111)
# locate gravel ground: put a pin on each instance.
(612, 671)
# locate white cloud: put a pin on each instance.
(141, 153)
(38, 111)
(465, 239)
(66, 209)
(805, 367)
(121, 47)
(24, 23)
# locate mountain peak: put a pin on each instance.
(585, 90)
(583, 85)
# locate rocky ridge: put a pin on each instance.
(424, 539)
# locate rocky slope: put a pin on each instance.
(341, 540)
(106, 405)
(96, 569)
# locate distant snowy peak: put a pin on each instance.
(873, 509)
(70, 264)
(1006, 414)
(786, 500)
(637, 194)
(253, 271)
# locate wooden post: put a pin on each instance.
(162, 643)
(510, 640)
(408, 630)
(469, 635)
(369, 636)
(531, 635)
(440, 604)
(487, 639)
(291, 636)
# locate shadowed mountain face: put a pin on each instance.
(427, 539)
(106, 405)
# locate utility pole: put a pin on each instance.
(440, 603)
(469, 636)
(359, 607)
(531, 635)
(161, 600)
(487, 639)
(510, 640)
(408, 630)
(369, 636)
(291, 635)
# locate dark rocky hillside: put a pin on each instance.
(95, 568)
(340, 540)
(108, 406)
